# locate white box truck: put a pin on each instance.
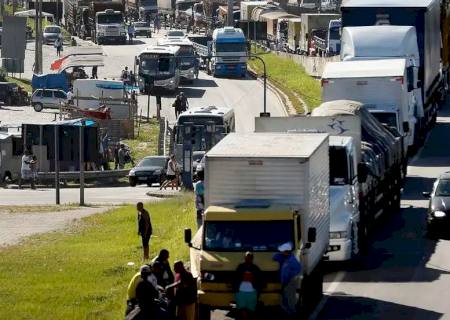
(382, 85)
(262, 190)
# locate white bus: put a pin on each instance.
(188, 64)
(205, 121)
(158, 65)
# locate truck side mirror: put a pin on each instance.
(410, 78)
(426, 195)
(362, 172)
(312, 233)
(187, 236)
(406, 126)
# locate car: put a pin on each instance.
(142, 28)
(438, 215)
(48, 98)
(51, 33)
(175, 34)
(151, 169)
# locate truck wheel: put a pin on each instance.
(133, 182)
(311, 292)
(204, 312)
(38, 107)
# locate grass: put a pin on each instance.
(27, 209)
(24, 83)
(290, 78)
(146, 144)
(82, 272)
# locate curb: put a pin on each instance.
(162, 195)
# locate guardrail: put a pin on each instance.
(75, 175)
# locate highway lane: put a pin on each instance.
(405, 275)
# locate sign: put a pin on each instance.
(14, 42)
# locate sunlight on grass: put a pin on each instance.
(82, 272)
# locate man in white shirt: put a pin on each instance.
(26, 172)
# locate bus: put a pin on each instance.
(188, 62)
(158, 68)
(209, 125)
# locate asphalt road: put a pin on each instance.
(405, 275)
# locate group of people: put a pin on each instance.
(180, 104)
(155, 292)
(122, 156)
(128, 77)
(158, 281)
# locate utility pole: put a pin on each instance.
(230, 20)
(38, 38)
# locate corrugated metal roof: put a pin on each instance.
(365, 69)
(388, 3)
(274, 15)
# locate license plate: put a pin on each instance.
(231, 67)
(142, 178)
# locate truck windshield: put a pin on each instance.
(443, 188)
(110, 18)
(247, 235)
(231, 47)
(338, 167)
(388, 118)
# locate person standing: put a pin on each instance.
(59, 46)
(26, 172)
(94, 72)
(69, 97)
(145, 229)
(247, 286)
(156, 24)
(199, 190)
(185, 292)
(184, 102)
(171, 174)
(116, 156)
(290, 269)
(121, 154)
(131, 31)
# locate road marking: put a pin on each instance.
(331, 289)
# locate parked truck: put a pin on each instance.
(367, 168)
(425, 16)
(76, 16)
(328, 42)
(364, 80)
(226, 52)
(312, 23)
(262, 190)
(106, 22)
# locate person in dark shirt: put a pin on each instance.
(144, 228)
(146, 294)
(167, 274)
(185, 292)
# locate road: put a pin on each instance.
(244, 95)
(405, 275)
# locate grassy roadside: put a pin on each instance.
(146, 144)
(290, 78)
(82, 272)
(40, 209)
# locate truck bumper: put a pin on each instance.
(187, 74)
(339, 250)
(112, 39)
(169, 84)
(230, 69)
(225, 300)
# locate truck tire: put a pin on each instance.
(204, 312)
(38, 107)
(133, 182)
(311, 292)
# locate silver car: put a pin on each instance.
(48, 98)
(51, 33)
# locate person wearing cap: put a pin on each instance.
(290, 269)
(247, 286)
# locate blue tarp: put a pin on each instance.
(50, 81)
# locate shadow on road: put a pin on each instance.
(193, 92)
(342, 306)
(203, 83)
(415, 185)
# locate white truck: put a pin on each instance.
(366, 170)
(262, 190)
(389, 42)
(382, 85)
(313, 24)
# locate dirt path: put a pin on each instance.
(16, 226)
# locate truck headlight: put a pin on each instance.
(123, 33)
(338, 235)
(208, 276)
(132, 173)
(439, 214)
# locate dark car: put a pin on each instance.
(439, 207)
(13, 95)
(150, 170)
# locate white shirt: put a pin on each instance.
(69, 95)
(26, 166)
(170, 171)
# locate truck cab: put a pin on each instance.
(334, 37)
(109, 26)
(229, 52)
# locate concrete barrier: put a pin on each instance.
(314, 66)
(75, 175)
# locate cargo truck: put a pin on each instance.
(262, 190)
(107, 22)
(364, 80)
(425, 16)
(310, 24)
(367, 168)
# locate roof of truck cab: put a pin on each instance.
(365, 69)
(174, 42)
(387, 3)
(268, 145)
(207, 111)
(161, 49)
(374, 41)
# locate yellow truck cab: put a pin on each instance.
(261, 190)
